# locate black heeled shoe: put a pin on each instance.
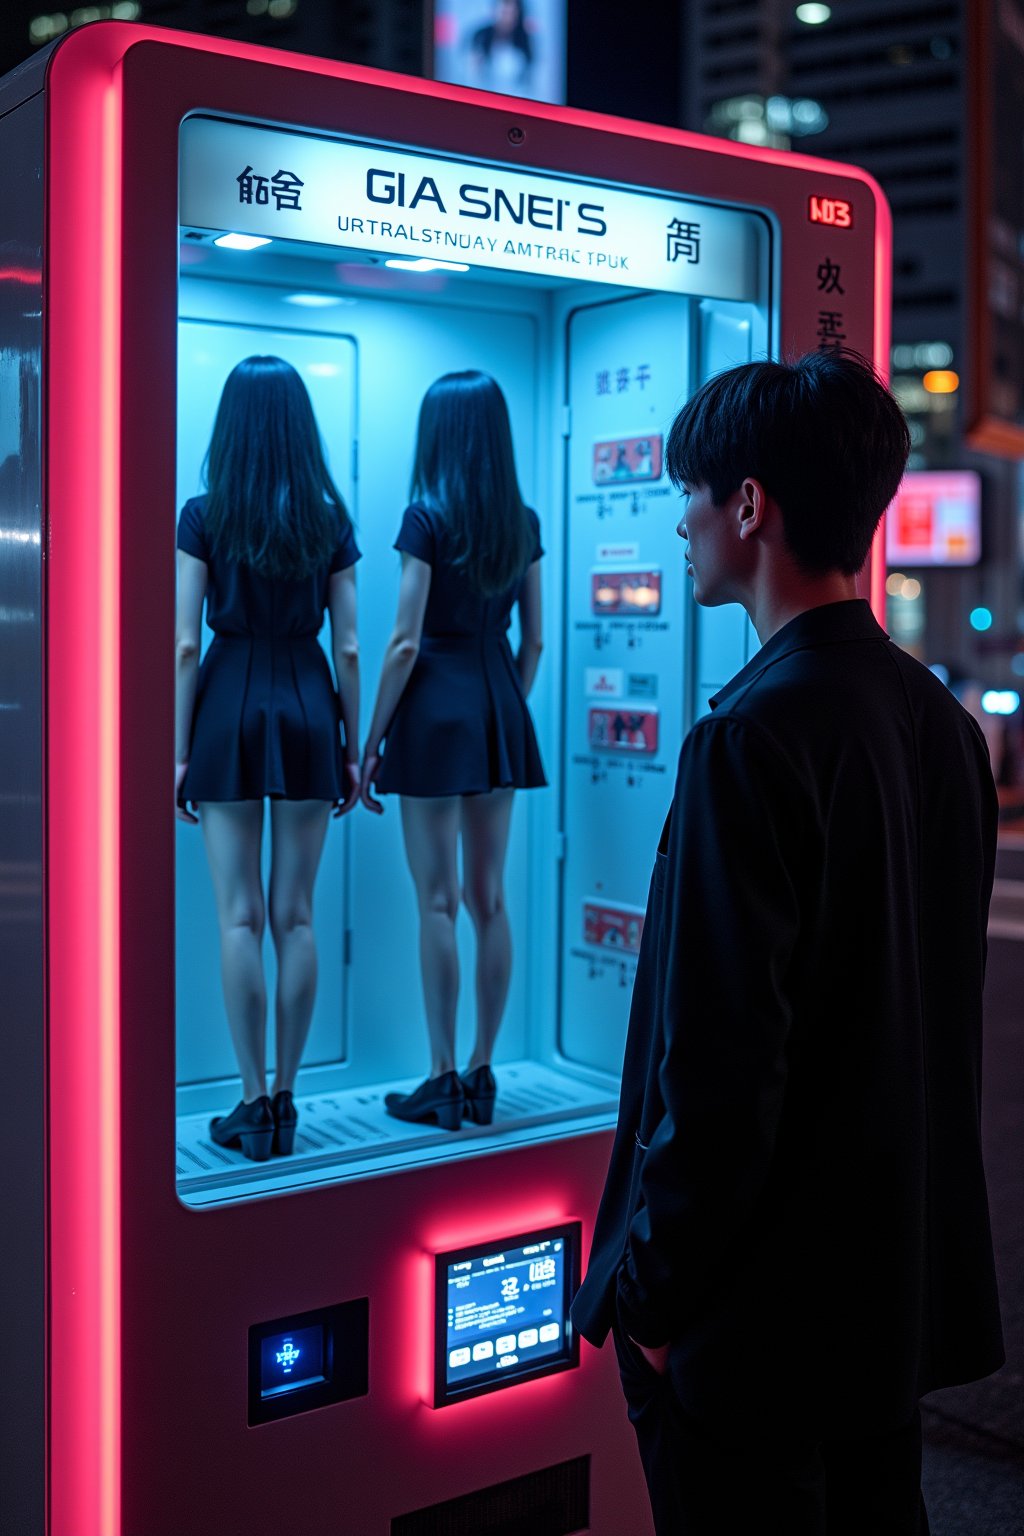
(439, 1100)
(249, 1126)
(286, 1118)
(480, 1091)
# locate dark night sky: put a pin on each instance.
(630, 70)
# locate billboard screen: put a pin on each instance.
(935, 519)
(516, 47)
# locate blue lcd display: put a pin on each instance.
(291, 1360)
(505, 1312)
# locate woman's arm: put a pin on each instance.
(530, 642)
(192, 578)
(341, 606)
(399, 660)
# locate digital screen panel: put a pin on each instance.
(291, 1360)
(308, 1360)
(502, 1312)
(935, 519)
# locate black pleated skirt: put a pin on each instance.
(266, 722)
(462, 726)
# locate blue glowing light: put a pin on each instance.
(287, 1357)
(292, 1360)
(1017, 664)
(981, 618)
(1000, 701)
(233, 242)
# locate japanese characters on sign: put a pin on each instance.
(830, 324)
(289, 186)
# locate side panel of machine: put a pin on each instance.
(22, 1394)
(628, 365)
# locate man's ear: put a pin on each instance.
(753, 504)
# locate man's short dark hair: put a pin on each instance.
(823, 435)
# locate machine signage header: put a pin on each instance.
(289, 186)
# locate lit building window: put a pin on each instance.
(43, 29)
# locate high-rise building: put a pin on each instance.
(884, 84)
(387, 34)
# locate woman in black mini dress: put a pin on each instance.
(452, 707)
(268, 549)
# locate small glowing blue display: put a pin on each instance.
(981, 618)
(291, 1360)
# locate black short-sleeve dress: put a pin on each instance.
(267, 719)
(462, 725)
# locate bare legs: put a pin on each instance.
(485, 827)
(431, 828)
(233, 832)
(298, 829)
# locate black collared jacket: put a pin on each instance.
(796, 1199)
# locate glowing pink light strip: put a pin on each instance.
(83, 333)
(882, 340)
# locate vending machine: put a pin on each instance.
(371, 1334)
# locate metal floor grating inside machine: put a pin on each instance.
(349, 1134)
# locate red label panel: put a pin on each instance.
(613, 927)
(623, 730)
(834, 211)
(637, 593)
(628, 459)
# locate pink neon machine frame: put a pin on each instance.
(141, 1441)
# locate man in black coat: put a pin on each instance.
(793, 1244)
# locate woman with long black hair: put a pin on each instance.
(268, 548)
(452, 705)
(501, 51)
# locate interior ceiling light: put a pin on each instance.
(425, 264)
(312, 300)
(241, 242)
(813, 15)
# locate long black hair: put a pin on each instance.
(465, 469)
(486, 36)
(271, 502)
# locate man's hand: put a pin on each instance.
(657, 1357)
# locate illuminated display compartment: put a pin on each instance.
(540, 285)
(501, 1312)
